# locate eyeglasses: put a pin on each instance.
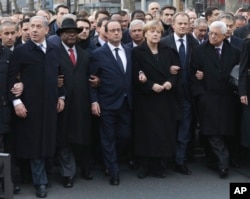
(115, 30)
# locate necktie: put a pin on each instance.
(72, 56)
(218, 52)
(42, 47)
(118, 59)
(182, 53)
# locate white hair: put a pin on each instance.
(136, 22)
(219, 24)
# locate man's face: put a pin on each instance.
(230, 27)
(181, 25)
(69, 37)
(114, 33)
(85, 30)
(167, 15)
(153, 9)
(192, 17)
(62, 11)
(92, 22)
(201, 31)
(8, 36)
(38, 30)
(239, 23)
(43, 14)
(125, 22)
(139, 16)
(215, 36)
(136, 33)
(214, 16)
(25, 32)
(101, 30)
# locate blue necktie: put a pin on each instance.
(118, 59)
(182, 53)
(218, 52)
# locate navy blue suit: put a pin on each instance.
(114, 96)
(184, 133)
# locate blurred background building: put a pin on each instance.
(10, 6)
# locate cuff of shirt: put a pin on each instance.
(16, 102)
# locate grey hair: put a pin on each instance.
(45, 21)
(219, 24)
(227, 16)
(198, 21)
(136, 22)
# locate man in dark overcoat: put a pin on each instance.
(215, 98)
(74, 122)
(37, 63)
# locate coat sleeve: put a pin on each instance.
(244, 66)
(196, 85)
(142, 87)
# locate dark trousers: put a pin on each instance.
(38, 171)
(115, 129)
(184, 134)
(219, 148)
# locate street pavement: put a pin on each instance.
(202, 184)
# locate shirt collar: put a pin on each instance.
(176, 37)
(43, 43)
(67, 48)
(112, 47)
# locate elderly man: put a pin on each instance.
(153, 9)
(136, 33)
(36, 109)
(200, 30)
(211, 64)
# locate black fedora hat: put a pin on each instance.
(67, 24)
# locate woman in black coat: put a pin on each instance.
(156, 106)
(244, 92)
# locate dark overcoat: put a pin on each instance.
(5, 106)
(75, 121)
(36, 134)
(216, 102)
(244, 90)
(155, 114)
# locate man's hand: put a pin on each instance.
(94, 81)
(199, 75)
(60, 80)
(157, 88)
(174, 69)
(17, 89)
(142, 77)
(60, 105)
(21, 110)
(167, 85)
(244, 100)
(95, 109)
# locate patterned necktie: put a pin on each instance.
(118, 59)
(182, 53)
(72, 56)
(217, 50)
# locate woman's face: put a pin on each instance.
(153, 35)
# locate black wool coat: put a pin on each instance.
(155, 114)
(216, 102)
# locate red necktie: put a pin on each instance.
(72, 56)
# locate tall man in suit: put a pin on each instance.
(74, 122)
(216, 105)
(37, 62)
(183, 43)
(112, 100)
(200, 30)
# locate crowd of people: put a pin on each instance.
(78, 90)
